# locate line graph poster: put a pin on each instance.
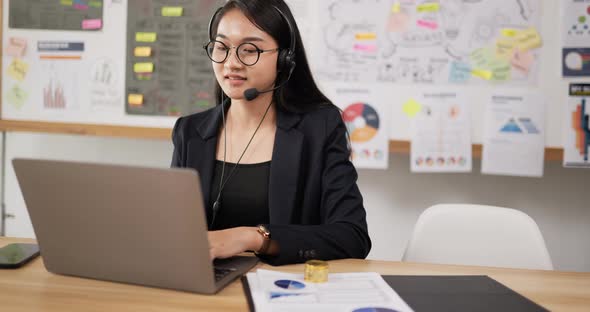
(430, 42)
(577, 128)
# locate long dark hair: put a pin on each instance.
(300, 93)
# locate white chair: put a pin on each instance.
(478, 235)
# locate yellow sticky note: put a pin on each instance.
(142, 51)
(482, 73)
(172, 11)
(528, 40)
(18, 70)
(146, 37)
(366, 36)
(411, 108)
(135, 99)
(509, 32)
(428, 7)
(396, 7)
(143, 67)
(505, 48)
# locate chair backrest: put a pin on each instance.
(478, 235)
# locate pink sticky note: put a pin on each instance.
(522, 60)
(92, 24)
(398, 22)
(80, 6)
(17, 47)
(427, 24)
(365, 47)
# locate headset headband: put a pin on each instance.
(292, 45)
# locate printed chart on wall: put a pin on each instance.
(577, 127)
(47, 56)
(441, 133)
(575, 35)
(365, 116)
(430, 42)
(514, 137)
(65, 60)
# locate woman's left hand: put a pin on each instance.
(231, 242)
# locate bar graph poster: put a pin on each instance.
(576, 127)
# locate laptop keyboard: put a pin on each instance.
(220, 273)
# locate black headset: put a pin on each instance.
(286, 59)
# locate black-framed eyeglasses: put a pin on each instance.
(248, 53)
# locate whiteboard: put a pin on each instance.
(107, 49)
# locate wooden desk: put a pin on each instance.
(32, 288)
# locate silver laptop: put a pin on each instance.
(126, 224)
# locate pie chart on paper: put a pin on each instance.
(362, 121)
(289, 284)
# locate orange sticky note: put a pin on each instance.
(366, 36)
(135, 99)
(523, 61)
(16, 47)
(143, 51)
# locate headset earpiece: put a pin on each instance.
(286, 59)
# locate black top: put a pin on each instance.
(315, 207)
(244, 199)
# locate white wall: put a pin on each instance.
(393, 198)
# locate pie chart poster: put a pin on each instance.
(365, 114)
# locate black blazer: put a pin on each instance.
(316, 208)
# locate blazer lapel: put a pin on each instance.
(202, 156)
(202, 153)
(284, 170)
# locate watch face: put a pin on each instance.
(264, 231)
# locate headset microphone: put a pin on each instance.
(253, 93)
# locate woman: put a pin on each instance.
(274, 166)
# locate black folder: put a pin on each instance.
(469, 293)
(459, 293)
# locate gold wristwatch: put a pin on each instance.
(262, 230)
